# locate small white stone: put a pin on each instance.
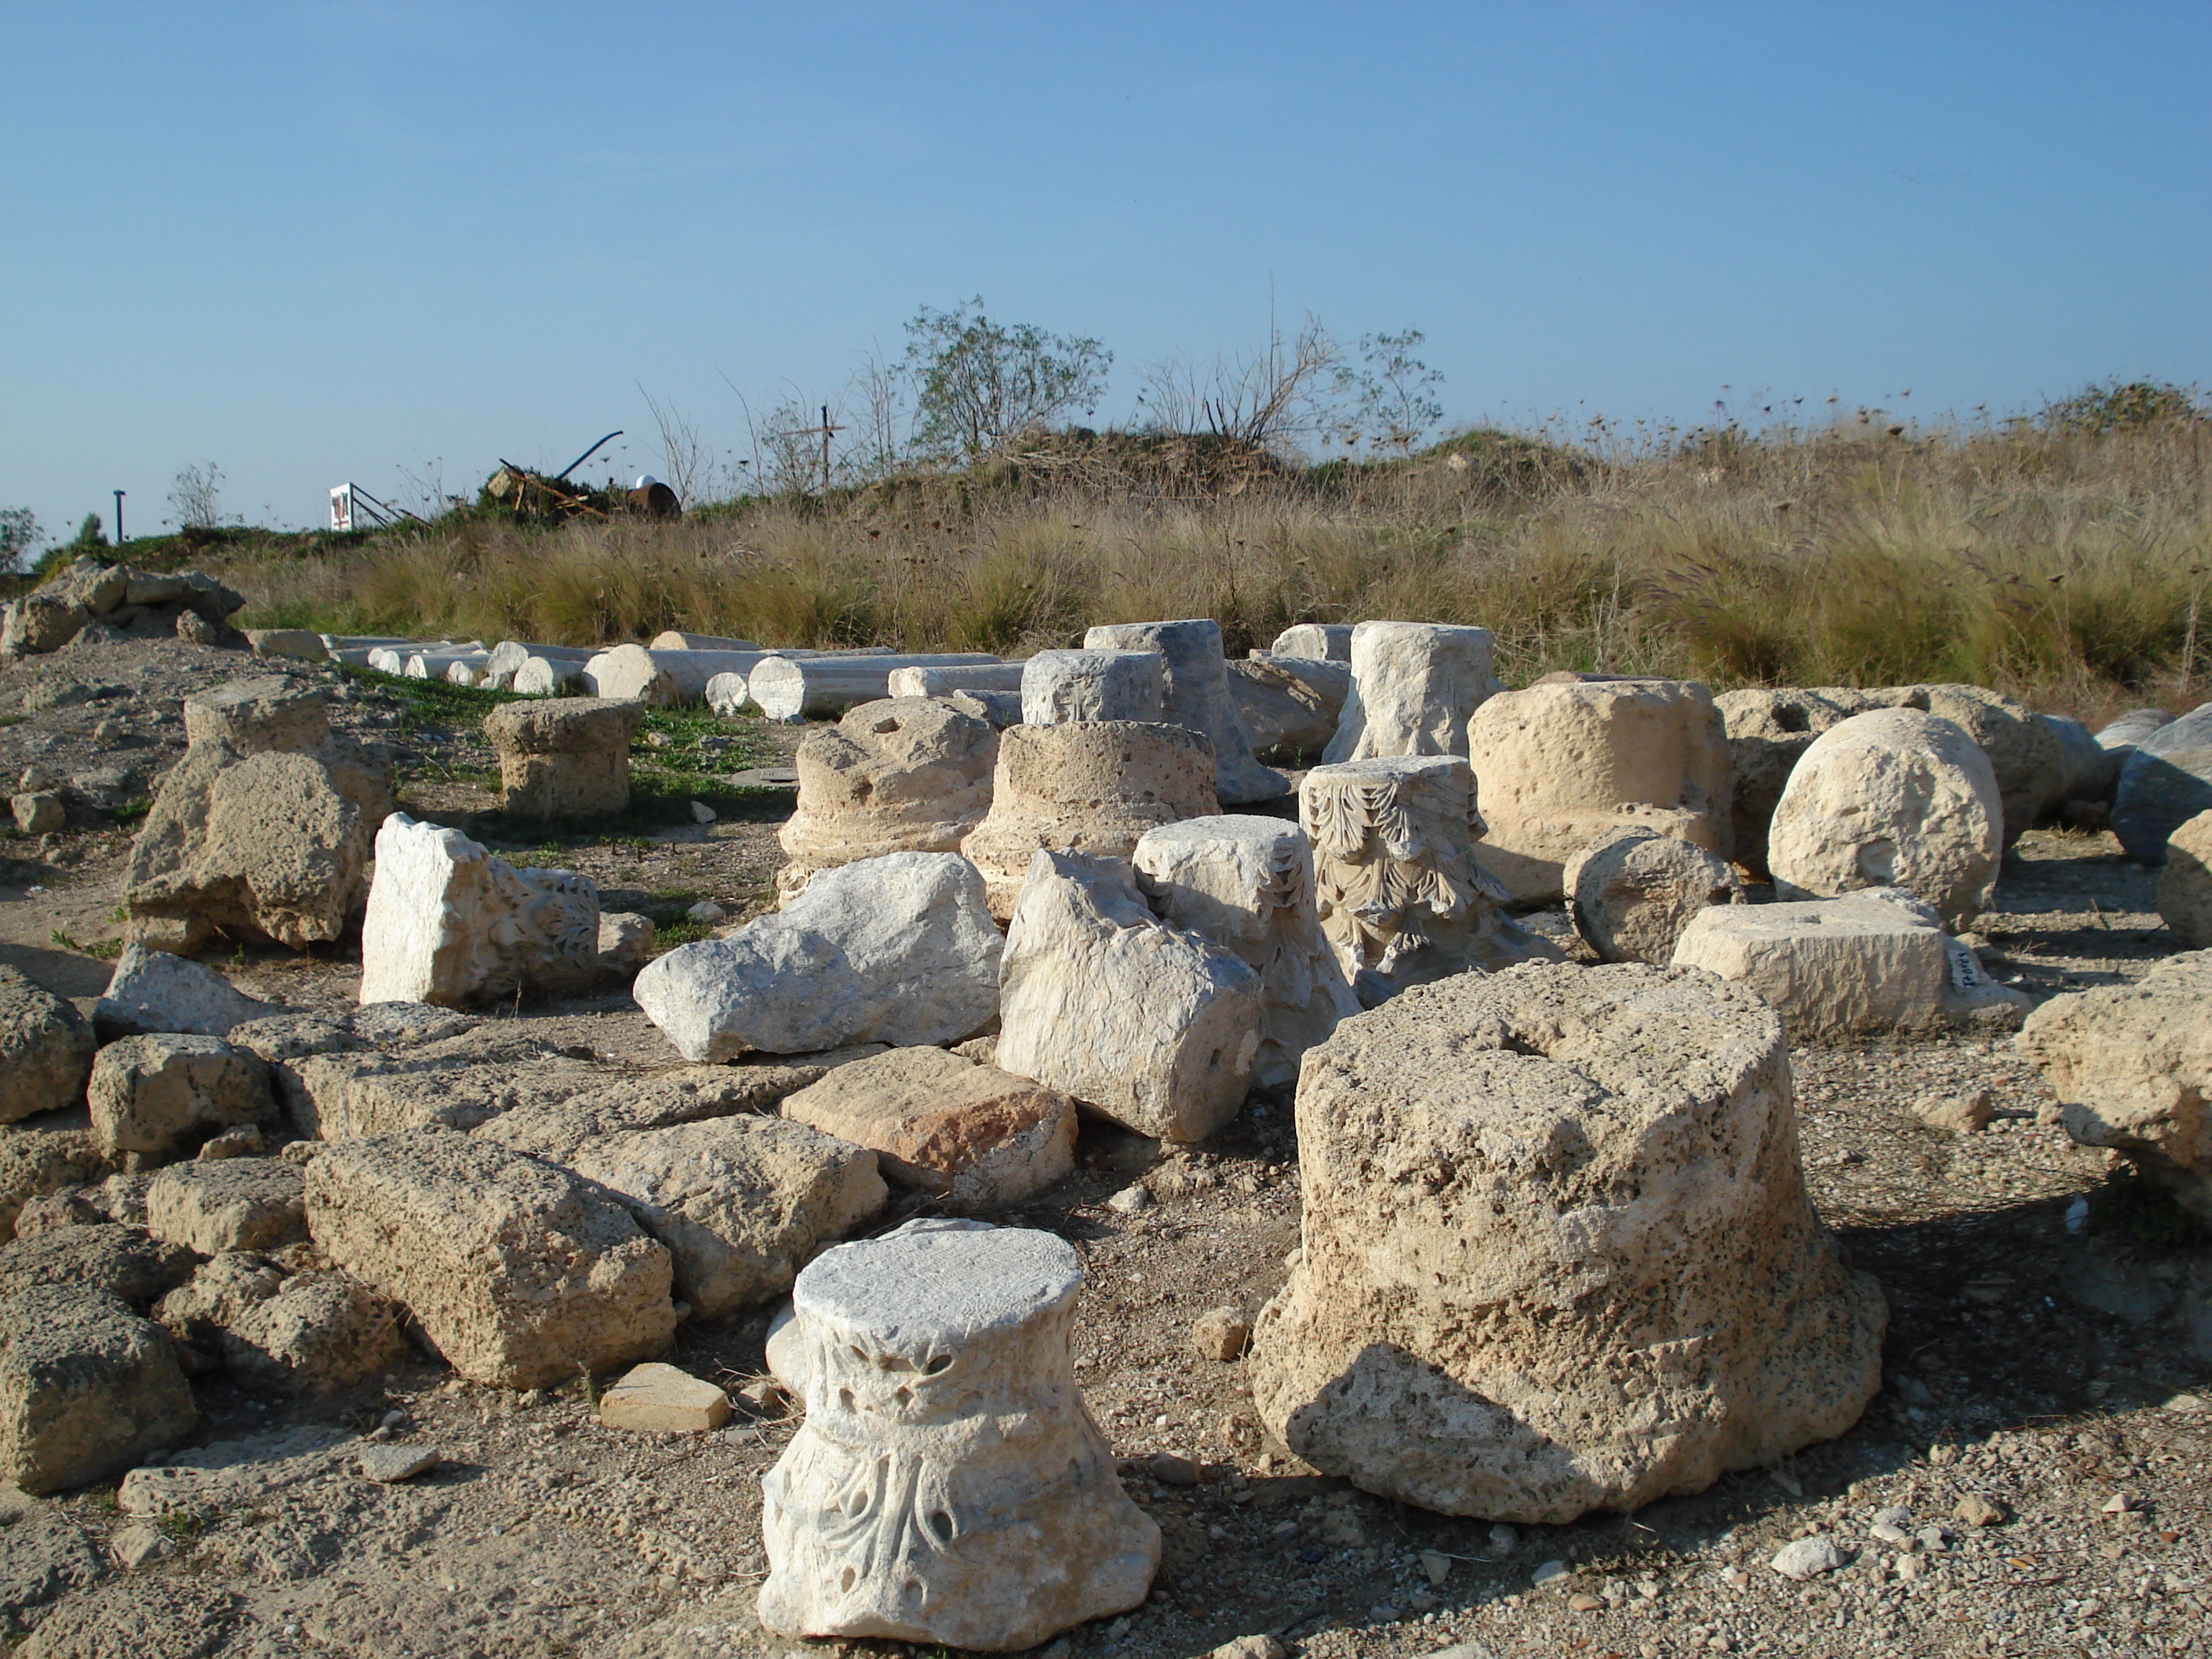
(1808, 1558)
(701, 813)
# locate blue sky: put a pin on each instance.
(315, 242)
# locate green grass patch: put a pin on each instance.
(429, 702)
(130, 811)
(105, 950)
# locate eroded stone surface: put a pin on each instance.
(2185, 886)
(1413, 686)
(898, 950)
(46, 1049)
(1155, 1028)
(1059, 686)
(161, 1094)
(1289, 703)
(2132, 1067)
(1633, 892)
(88, 1388)
(1198, 699)
(449, 923)
(1891, 799)
(233, 1204)
(152, 991)
(897, 776)
(1557, 1255)
(1400, 895)
(1769, 730)
(1562, 762)
(948, 1485)
(517, 1271)
(971, 1134)
(2166, 781)
(565, 757)
(1247, 885)
(1091, 787)
(265, 825)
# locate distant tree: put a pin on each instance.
(195, 497)
(90, 533)
(1388, 399)
(19, 534)
(978, 384)
(2119, 405)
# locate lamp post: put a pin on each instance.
(118, 517)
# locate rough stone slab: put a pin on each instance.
(152, 992)
(455, 1083)
(1289, 703)
(2185, 886)
(1154, 1029)
(42, 1155)
(2131, 1066)
(899, 950)
(742, 1203)
(320, 1333)
(555, 1129)
(972, 1134)
(564, 757)
(122, 1261)
(1318, 641)
(46, 1049)
(664, 1400)
(448, 923)
(235, 1204)
(389, 1465)
(162, 1095)
(88, 1388)
(1556, 1251)
(2166, 781)
(517, 1272)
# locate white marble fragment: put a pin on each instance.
(1413, 685)
(1058, 686)
(1198, 699)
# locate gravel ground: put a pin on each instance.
(2032, 1478)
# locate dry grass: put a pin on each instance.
(2070, 568)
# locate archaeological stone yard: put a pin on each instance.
(697, 1148)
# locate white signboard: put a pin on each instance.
(342, 507)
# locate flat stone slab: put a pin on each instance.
(664, 1398)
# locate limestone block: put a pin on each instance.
(1247, 885)
(2131, 1066)
(898, 950)
(625, 942)
(2025, 753)
(1001, 708)
(674, 639)
(1198, 699)
(556, 1129)
(1893, 797)
(1769, 730)
(1400, 895)
(793, 689)
(233, 1204)
(122, 1261)
(913, 682)
(1155, 1028)
(2121, 736)
(742, 1203)
(1562, 764)
(1289, 702)
(1092, 786)
(162, 1095)
(264, 827)
(289, 644)
(1059, 686)
(88, 1388)
(897, 776)
(38, 812)
(948, 1485)
(153, 992)
(972, 1135)
(662, 1399)
(42, 1155)
(46, 1048)
(2164, 783)
(449, 1083)
(2087, 770)
(1557, 1255)
(449, 923)
(41, 621)
(1413, 686)
(319, 1333)
(1875, 960)
(95, 584)
(2185, 886)
(1633, 892)
(1318, 641)
(566, 757)
(519, 1273)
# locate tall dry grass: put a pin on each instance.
(2071, 568)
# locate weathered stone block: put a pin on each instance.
(565, 757)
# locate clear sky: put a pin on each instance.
(316, 242)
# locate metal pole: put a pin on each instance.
(118, 517)
(826, 431)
